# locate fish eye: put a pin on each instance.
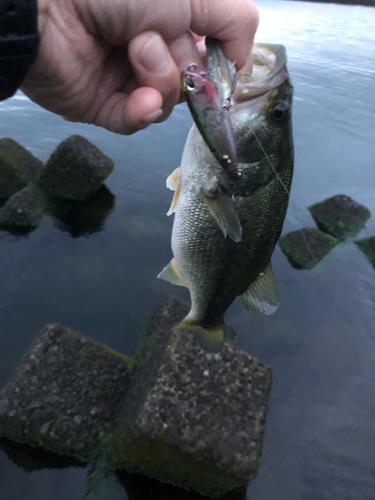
(280, 112)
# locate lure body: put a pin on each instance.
(210, 116)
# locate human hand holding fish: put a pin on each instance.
(117, 63)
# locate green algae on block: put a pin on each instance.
(174, 414)
(306, 247)
(340, 216)
(18, 167)
(192, 419)
(24, 209)
(367, 246)
(65, 395)
(75, 170)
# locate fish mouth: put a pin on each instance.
(268, 71)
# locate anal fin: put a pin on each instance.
(261, 296)
(171, 273)
(224, 212)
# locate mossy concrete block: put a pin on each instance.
(192, 419)
(66, 394)
(75, 170)
(367, 246)
(18, 167)
(340, 216)
(306, 247)
(24, 209)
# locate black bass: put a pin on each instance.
(225, 231)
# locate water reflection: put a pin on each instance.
(31, 458)
(134, 486)
(78, 218)
(82, 218)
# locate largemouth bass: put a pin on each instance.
(224, 232)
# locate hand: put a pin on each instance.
(117, 63)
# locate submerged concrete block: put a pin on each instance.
(306, 247)
(75, 170)
(175, 414)
(24, 209)
(340, 216)
(66, 393)
(367, 246)
(193, 419)
(18, 167)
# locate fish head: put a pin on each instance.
(262, 110)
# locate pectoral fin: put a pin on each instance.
(261, 297)
(173, 179)
(223, 210)
(172, 274)
(174, 183)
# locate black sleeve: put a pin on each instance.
(19, 40)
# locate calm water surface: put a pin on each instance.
(320, 441)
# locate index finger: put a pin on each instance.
(233, 22)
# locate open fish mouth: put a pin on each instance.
(268, 71)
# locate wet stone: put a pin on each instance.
(340, 216)
(59, 400)
(24, 209)
(183, 417)
(18, 167)
(367, 246)
(75, 170)
(192, 419)
(306, 247)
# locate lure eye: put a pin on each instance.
(280, 112)
(190, 84)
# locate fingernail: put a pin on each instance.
(154, 56)
(153, 116)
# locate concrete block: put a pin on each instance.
(75, 170)
(306, 247)
(340, 216)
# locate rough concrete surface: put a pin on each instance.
(65, 394)
(24, 209)
(306, 247)
(340, 216)
(175, 414)
(193, 419)
(18, 167)
(75, 170)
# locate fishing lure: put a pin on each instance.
(209, 113)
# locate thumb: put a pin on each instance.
(154, 67)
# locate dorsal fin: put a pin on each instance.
(172, 274)
(224, 212)
(261, 296)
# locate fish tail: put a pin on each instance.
(211, 340)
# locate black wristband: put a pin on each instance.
(19, 41)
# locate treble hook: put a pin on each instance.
(228, 101)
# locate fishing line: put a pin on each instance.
(286, 190)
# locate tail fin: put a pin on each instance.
(211, 340)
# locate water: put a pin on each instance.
(320, 436)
